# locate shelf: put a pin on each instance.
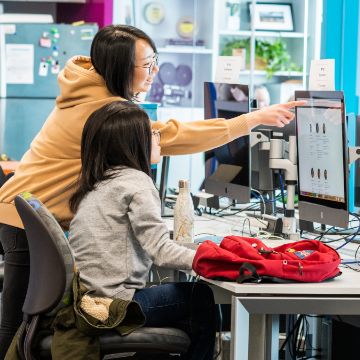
(247, 33)
(278, 73)
(184, 50)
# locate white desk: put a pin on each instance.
(340, 296)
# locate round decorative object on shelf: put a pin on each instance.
(156, 91)
(186, 27)
(167, 73)
(154, 13)
(183, 75)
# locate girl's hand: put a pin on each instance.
(275, 115)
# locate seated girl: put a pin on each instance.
(117, 232)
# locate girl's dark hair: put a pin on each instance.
(113, 57)
(117, 134)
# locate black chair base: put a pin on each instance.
(148, 340)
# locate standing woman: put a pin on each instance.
(123, 62)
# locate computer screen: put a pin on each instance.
(228, 166)
(351, 141)
(322, 157)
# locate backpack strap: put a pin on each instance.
(251, 274)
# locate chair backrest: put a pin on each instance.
(2, 177)
(52, 262)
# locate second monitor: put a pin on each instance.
(322, 157)
(228, 166)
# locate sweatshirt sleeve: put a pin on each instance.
(153, 234)
(179, 138)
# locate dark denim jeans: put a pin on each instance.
(186, 306)
(16, 277)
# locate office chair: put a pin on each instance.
(2, 176)
(51, 273)
(2, 264)
(3, 179)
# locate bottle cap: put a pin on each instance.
(183, 184)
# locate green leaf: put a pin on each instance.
(274, 53)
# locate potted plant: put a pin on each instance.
(275, 56)
(270, 56)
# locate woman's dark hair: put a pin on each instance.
(117, 134)
(113, 57)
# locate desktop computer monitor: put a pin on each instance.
(351, 142)
(228, 167)
(322, 157)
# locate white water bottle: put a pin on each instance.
(184, 214)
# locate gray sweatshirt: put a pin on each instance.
(117, 233)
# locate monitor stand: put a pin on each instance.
(305, 225)
(165, 212)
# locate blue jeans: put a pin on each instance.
(186, 306)
(16, 279)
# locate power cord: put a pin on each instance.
(243, 227)
(282, 191)
(296, 346)
(217, 355)
(262, 234)
(262, 199)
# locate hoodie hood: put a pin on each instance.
(79, 83)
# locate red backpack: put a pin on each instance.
(248, 259)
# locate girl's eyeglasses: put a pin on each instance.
(154, 62)
(157, 135)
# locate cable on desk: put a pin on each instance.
(352, 237)
(276, 198)
(348, 238)
(243, 227)
(324, 233)
(282, 191)
(347, 266)
(356, 252)
(356, 261)
(221, 210)
(332, 240)
(340, 232)
(252, 205)
(268, 236)
(262, 200)
(343, 231)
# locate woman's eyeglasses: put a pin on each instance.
(154, 62)
(157, 135)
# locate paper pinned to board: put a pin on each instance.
(9, 29)
(228, 69)
(322, 75)
(19, 63)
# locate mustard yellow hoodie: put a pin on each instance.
(50, 168)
